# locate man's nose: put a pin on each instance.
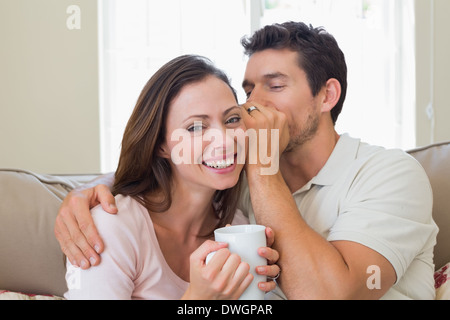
(258, 95)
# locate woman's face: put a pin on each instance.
(205, 137)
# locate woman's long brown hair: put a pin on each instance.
(141, 171)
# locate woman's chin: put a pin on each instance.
(228, 184)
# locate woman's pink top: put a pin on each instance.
(132, 265)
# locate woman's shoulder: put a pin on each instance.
(131, 216)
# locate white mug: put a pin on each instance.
(244, 240)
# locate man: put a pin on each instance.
(350, 220)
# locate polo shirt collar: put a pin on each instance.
(344, 153)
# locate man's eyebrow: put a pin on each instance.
(274, 75)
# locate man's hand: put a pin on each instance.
(74, 228)
(270, 128)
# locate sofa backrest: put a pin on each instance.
(435, 159)
(31, 260)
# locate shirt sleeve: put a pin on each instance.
(113, 278)
(388, 209)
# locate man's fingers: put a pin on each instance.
(104, 196)
(76, 232)
(75, 228)
(88, 240)
(68, 241)
(68, 247)
(249, 118)
(89, 256)
(259, 111)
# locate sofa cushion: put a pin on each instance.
(9, 295)
(435, 159)
(31, 259)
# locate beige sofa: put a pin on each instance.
(31, 261)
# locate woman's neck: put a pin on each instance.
(191, 212)
(182, 228)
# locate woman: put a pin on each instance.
(157, 245)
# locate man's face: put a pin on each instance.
(273, 78)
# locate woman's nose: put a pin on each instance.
(222, 142)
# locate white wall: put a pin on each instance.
(49, 117)
(437, 47)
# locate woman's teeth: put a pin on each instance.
(220, 164)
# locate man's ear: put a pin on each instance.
(332, 94)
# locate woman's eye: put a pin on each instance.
(233, 120)
(195, 128)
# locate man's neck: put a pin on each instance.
(303, 163)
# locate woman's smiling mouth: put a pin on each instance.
(220, 164)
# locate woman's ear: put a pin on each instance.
(163, 151)
(332, 94)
